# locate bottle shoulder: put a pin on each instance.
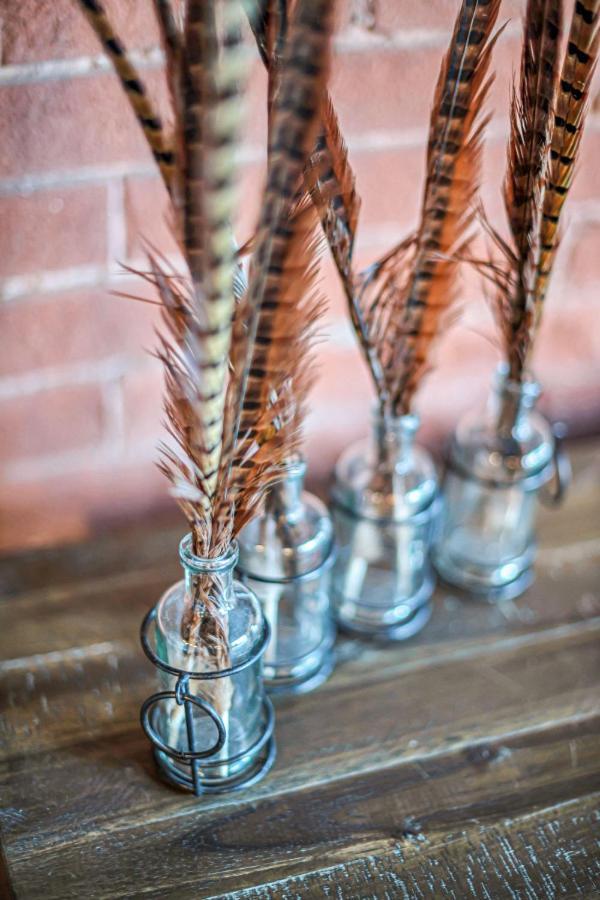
(282, 547)
(362, 485)
(479, 448)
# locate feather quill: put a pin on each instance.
(567, 129)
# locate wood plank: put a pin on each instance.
(87, 764)
(546, 854)
(237, 845)
(395, 771)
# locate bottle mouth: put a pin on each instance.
(406, 424)
(527, 390)
(201, 565)
(294, 467)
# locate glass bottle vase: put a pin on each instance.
(384, 504)
(211, 723)
(285, 558)
(500, 461)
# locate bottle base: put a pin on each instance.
(281, 685)
(290, 674)
(482, 585)
(410, 618)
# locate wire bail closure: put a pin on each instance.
(553, 492)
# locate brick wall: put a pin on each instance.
(80, 410)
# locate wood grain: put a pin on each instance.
(462, 764)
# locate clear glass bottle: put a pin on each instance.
(384, 504)
(211, 724)
(499, 460)
(285, 558)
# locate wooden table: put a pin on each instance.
(462, 764)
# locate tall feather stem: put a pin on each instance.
(133, 86)
(330, 180)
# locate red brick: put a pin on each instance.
(340, 407)
(143, 405)
(67, 508)
(56, 29)
(148, 214)
(53, 230)
(59, 125)
(50, 422)
(74, 327)
(584, 258)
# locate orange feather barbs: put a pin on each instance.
(234, 349)
(547, 118)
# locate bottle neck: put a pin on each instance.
(209, 592)
(284, 498)
(394, 438)
(511, 404)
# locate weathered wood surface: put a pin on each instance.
(465, 763)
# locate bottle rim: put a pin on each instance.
(202, 565)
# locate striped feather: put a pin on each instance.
(210, 129)
(453, 172)
(293, 128)
(571, 107)
(531, 119)
(133, 86)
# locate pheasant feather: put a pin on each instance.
(228, 351)
(531, 119)
(404, 298)
(133, 86)
(571, 107)
(294, 126)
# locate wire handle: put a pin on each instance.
(183, 698)
(553, 492)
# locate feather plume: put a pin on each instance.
(404, 297)
(531, 118)
(567, 129)
(328, 178)
(293, 128)
(235, 357)
(133, 86)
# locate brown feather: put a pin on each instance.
(531, 117)
(293, 128)
(417, 284)
(133, 86)
(567, 129)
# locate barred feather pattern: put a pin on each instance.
(294, 126)
(570, 112)
(416, 301)
(330, 181)
(211, 124)
(328, 174)
(531, 119)
(134, 88)
(282, 368)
